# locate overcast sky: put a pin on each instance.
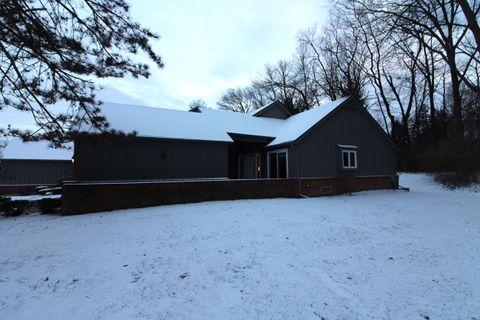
(210, 46)
(207, 46)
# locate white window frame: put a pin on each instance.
(285, 150)
(349, 166)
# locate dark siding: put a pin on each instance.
(148, 158)
(319, 155)
(277, 113)
(16, 171)
(292, 162)
(275, 110)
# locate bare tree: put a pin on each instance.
(197, 103)
(337, 56)
(438, 24)
(237, 100)
(471, 14)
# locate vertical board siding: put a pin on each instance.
(320, 156)
(275, 110)
(277, 113)
(27, 172)
(145, 158)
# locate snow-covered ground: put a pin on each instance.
(370, 255)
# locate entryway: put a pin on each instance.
(249, 166)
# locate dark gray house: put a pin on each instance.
(32, 164)
(336, 140)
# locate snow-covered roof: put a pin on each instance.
(297, 125)
(211, 124)
(16, 149)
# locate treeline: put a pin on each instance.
(415, 65)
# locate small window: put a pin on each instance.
(349, 159)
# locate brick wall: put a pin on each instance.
(18, 189)
(94, 197)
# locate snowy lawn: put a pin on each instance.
(371, 255)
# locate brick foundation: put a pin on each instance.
(17, 189)
(94, 197)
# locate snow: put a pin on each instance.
(210, 124)
(298, 124)
(370, 255)
(347, 146)
(16, 149)
(35, 197)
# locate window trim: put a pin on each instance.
(349, 152)
(284, 150)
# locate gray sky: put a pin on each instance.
(207, 46)
(212, 45)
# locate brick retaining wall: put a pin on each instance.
(94, 197)
(18, 189)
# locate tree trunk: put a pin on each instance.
(457, 99)
(472, 20)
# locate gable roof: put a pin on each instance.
(298, 124)
(211, 124)
(275, 104)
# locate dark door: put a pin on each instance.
(248, 166)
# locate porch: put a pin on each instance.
(249, 158)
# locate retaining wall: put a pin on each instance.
(95, 197)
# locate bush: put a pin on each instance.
(14, 208)
(454, 162)
(454, 180)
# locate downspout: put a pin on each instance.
(297, 169)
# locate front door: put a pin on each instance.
(247, 166)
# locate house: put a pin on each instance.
(206, 154)
(26, 165)
(337, 139)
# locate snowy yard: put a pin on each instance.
(371, 255)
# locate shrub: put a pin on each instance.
(14, 208)
(454, 180)
(454, 162)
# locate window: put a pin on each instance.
(278, 164)
(349, 159)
